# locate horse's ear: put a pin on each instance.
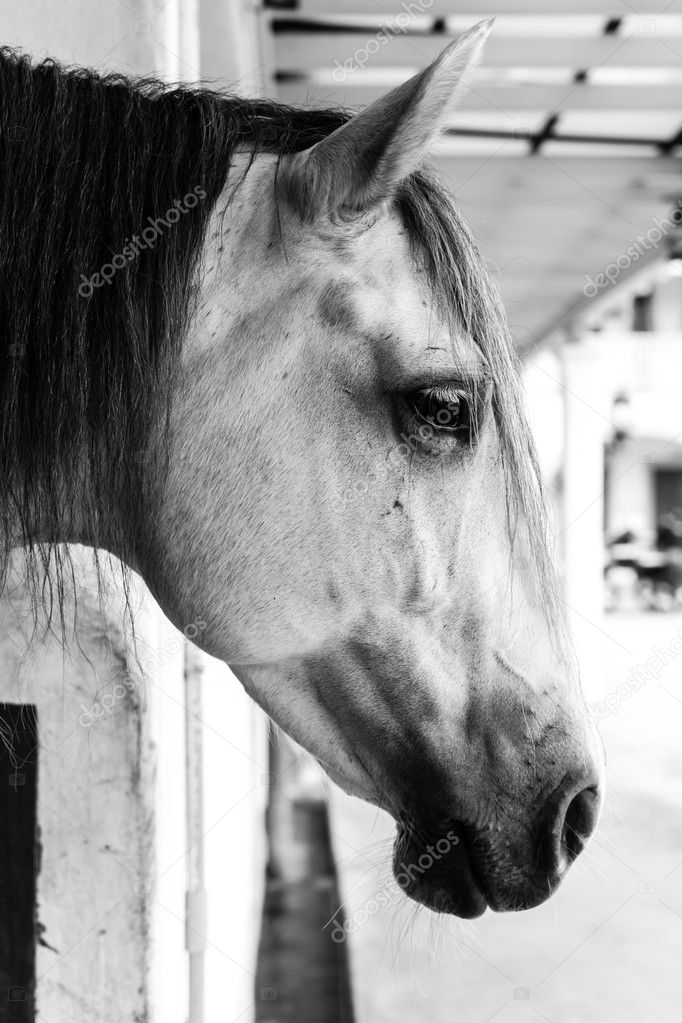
(363, 162)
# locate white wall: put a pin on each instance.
(132, 37)
(235, 793)
(96, 802)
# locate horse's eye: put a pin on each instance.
(444, 409)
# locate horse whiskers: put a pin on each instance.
(407, 927)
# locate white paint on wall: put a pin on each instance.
(161, 653)
(95, 803)
(235, 47)
(235, 793)
(127, 37)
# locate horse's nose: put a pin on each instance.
(568, 820)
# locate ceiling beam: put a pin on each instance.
(610, 9)
(506, 98)
(310, 50)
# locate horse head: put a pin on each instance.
(354, 504)
(347, 495)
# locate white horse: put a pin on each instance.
(292, 405)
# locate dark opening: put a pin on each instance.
(643, 313)
(18, 860)
(668, 484)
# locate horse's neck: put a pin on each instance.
(65, 514)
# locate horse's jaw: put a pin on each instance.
(475, 829)
(311, 723)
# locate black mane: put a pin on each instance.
(86, 160)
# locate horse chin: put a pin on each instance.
(440, 875)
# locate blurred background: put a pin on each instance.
(196, 866)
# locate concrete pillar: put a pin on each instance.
(134, 37)
(234, 45)
(100, 782)
(586, 429)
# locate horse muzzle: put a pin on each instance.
(463, 869)
(438, 872)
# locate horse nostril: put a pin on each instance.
(568, 823)
(579, 822)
